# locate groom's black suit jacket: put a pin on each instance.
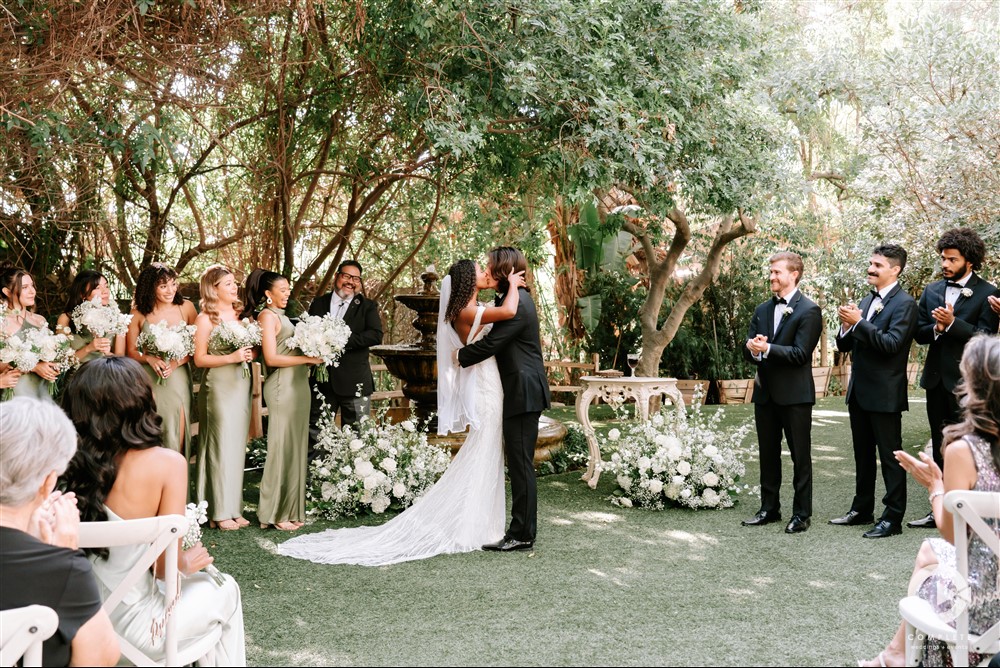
(366, 331)
(785, 377)
(517, 347)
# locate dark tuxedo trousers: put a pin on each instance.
(877, 397)
(783, 397)
(973, 315)
(518, 350)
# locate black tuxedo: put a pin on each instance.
(783, 395)
(354, 369)
(517, 346)
(876, 397)
(972, 315)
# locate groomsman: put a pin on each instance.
(878, 334)
(350, 384)
(952, 310)
(783, 334)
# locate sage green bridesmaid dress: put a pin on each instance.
(173, 404)
(223, 427)
(78, 340)
(286, 392)
(31, 384)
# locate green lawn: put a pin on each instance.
(605, 586)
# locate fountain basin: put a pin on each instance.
(416, 366)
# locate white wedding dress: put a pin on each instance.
(465, 509)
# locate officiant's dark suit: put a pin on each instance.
(517, 347)
(350, 384)
(784, 391)
(879, 343)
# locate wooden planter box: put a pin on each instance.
(687, 388)
(821, 376)
(737, 391)
(843, 375)
(912, 374)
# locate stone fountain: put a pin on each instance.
(416, 363)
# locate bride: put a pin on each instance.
(465, 509)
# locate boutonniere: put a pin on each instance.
(966, 292)
(788, 312)
(356, 301)
(879, 307)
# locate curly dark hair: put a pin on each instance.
(966, 242)
(145, 288)
(463, 286)
(110, 402)
(258, 282)
(81, 287)
(979, 393)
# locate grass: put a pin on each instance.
(605, 585)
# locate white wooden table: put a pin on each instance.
(616, 391)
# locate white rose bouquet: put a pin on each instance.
(196, 516)
(685, 461)
(323, 337)
(231, 335)
(371, 467)
(166, 342)
(104, 322)
(25, 349)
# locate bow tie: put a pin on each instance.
(953, 284)
(876, 293)
(779, 300)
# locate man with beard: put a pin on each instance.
(878, 335)
(952, 310)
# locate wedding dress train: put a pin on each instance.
(463, 511)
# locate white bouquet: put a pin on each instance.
(370, 467)
(685, 461)
(231, 335)
(320, 336)
(101, 321)
(25, 349)
(196, 516)
(166, 342)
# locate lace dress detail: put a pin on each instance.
(463, 511)
(984, 609)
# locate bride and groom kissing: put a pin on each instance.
(491, 380)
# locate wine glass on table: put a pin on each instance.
(633, 362)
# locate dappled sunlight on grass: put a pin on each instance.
(610, 578)
(596, 516)
(829, 413)
(560, 521)
(743, 593)
(821, 584)
(876, 576)
(693, 539)
(824, 448)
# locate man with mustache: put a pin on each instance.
(952, 310)
(878, 335)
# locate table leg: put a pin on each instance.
(593, 471)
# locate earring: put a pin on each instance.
(269, 301)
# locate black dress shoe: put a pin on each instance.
(923, 523)
(883, 529)
(495, 547)
(797, 525)
(853, 518)
(512, 544)
(761, 518)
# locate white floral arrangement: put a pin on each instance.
(196, 516)
(103, 322)
(166, 342)
(691, 461)
(370, 467)
(25, 349)
(321, 336)
(231, 335)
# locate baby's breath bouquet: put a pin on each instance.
(104, 322)
(231, 335)
(25, 349)
(686, 461)
(320, 336)
(196, 516)
(370, 467)
(166, 342)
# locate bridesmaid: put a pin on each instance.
(286, 392)
(157, 300)
(223, 404)
(17, 291)
(87, 285)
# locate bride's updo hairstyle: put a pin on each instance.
(110, 402)
(463, 286)
(257, 284)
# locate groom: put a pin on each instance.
(518, 351)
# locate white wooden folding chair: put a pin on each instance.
(161, 534)
(22, 632)
(970, 509)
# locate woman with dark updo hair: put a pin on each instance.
(87, 285)
(121, 472)
(286, 392)
(157, 301)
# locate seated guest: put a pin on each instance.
(972, 460)
(39, 560)
(122, 472)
